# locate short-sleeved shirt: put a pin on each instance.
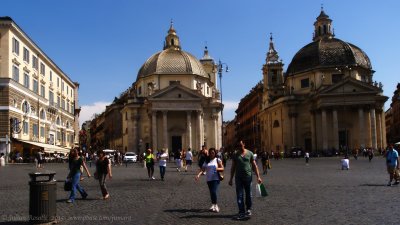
(162, 160)
(75, 166)
(189, 155)
(391, 158)
(149, 158)
(243, 164)
(211, 169)
(102, 166)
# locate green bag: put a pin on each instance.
(264, 192)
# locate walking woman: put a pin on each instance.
(75, 164)
(162, 162)
(149, 158)
(212, 166)
(103, 168)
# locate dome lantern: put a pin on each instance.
(323, 26)
(172, 39)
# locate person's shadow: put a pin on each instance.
(198, 213)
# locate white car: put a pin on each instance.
(130, 157)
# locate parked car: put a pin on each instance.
(130, 157)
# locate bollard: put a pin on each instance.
(42, 198)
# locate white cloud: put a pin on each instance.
(229, 110)
(87, 111)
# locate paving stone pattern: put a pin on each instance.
(318, 193)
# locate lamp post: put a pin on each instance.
(220, 67)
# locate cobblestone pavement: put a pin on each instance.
(318, 193)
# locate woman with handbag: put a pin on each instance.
(75, 163)
(213, 168)
(103, 168)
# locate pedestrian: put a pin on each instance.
(74, 175)
(212, 166)
(393, 165)
(162, 162)
(150, 164)
(183, 158)
(202, 156)
(178, 162)
(370, 154)
(265, 161)
(2, 160)
(189, 159)
(242, 165)
(103, 168)
(39, 159)
(307, 157)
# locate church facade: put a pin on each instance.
(326, 101)
(173, 104)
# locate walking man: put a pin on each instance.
(393, 165)
(242, 165)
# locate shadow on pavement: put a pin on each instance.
(198, 213)
(15, 223)
(373, 185)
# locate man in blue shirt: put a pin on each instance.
(393, 165)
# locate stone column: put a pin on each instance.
(135, 131)
(361, 122)
(189, 128)
(199, 130)
(379, 131)
(324, 131)
(293, 119)
(313, 133)
(384, 141)
(335, 130)
(373, 128)
(215, 122)
(154, 129)
(165, 130)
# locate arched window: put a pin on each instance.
(25, 107)
(67, 124)
(58, 121)
(325, 31)
(172, 42)
(276, 123)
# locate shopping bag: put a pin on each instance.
(263, 190)
(258, 190)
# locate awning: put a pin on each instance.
(47, 147)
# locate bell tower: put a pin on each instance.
(272, 75)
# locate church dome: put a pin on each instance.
(326, 51)
(172, 60)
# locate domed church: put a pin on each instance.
(326, 101)
(174, 102)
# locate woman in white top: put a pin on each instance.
(211, 166)
(162, 162)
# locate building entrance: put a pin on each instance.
(176, 143)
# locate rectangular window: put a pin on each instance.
(35, 86)
(62, 86)
(35, 130)
(305, 83)
(62, 103)
(26, 55)
(171, 82)
(67, 107)
(58, 101)
(15, 46)
(34, 62)
(16, 73)
(72, 108)
(336, 78)
(25, 127)
(58, 82)
(51, 75)
(58, 136)
(51, 98)
(26, 80)
(42, 91)
(42, 69)
(42, 132)
(67, 90)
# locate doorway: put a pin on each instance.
(176, 143)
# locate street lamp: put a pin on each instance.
(220, 67)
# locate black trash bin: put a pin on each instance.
(42, 197)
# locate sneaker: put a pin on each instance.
(397, 182)
(216, 208)
(240, 216)
(70, 201)
(212, 208)
(248, 212)
(84, 196)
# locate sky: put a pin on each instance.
(102, 44)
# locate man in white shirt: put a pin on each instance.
(189, 159)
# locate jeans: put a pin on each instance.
(213, 186)
(102, 182)
(243, 183)
(162, 172)
(76, 186)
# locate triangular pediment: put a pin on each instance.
(176, 92)
(350, 85)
